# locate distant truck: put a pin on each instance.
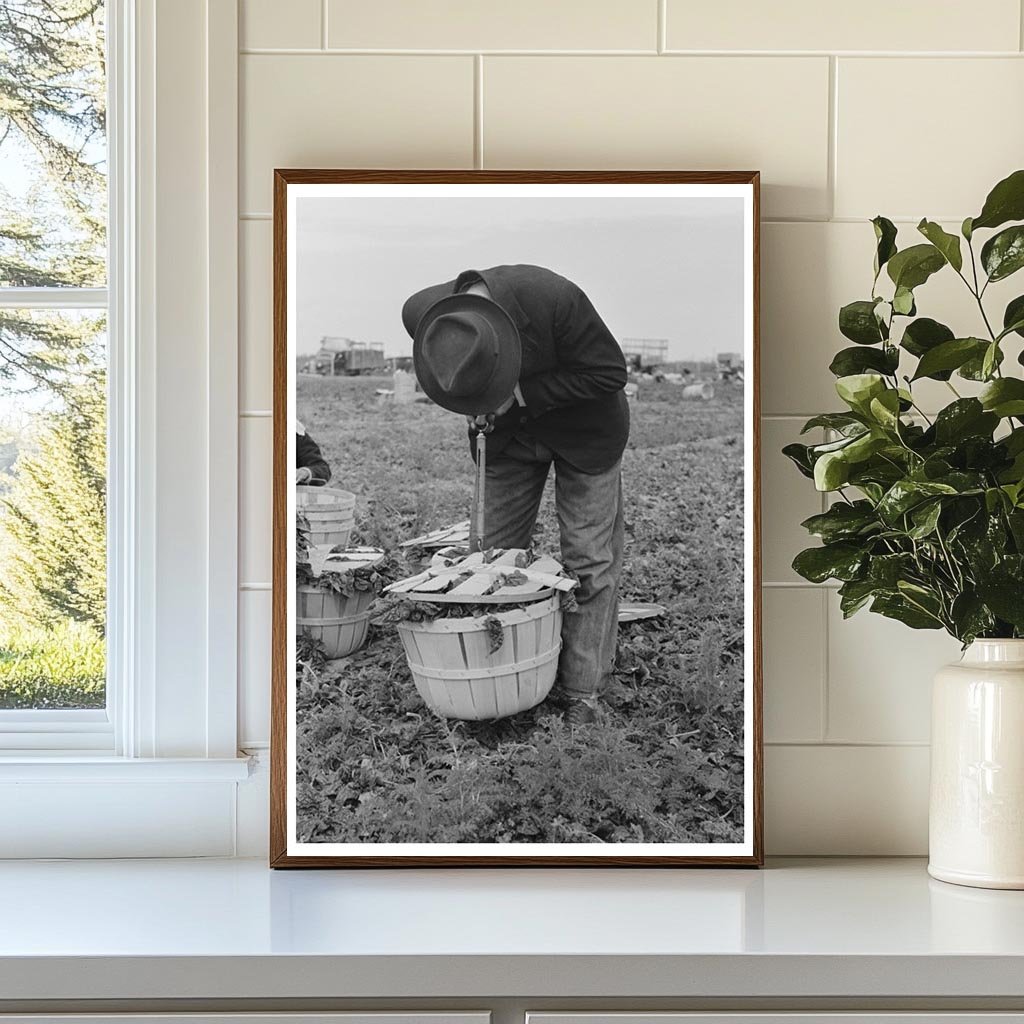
(730, 366)
(344, 357)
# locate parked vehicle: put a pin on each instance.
(340, 357)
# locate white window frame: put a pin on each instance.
(171, 719)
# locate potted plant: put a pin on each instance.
(927, 521)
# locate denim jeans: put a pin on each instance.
(589, 507)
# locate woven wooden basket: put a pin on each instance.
(338, 621)
(331, 514)
(457, 676)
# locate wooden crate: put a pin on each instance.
(457, 677)
(330, 512)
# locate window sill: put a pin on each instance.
(78, 766)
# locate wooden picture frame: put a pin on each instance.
(285, 849)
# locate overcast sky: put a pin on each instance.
(654, 268)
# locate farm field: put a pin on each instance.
(664, 761)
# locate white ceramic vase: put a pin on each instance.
(976, 815)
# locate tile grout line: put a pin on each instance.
(341, 51)
(852, 744)
(258, 215)
(662, 26)
(832, 147)
(826, 651)
(824, 724)
(478, 111)
(1020, 25)
(323, 25)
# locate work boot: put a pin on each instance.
(580, 711)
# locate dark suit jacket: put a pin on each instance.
(307, 454)
(573, 370)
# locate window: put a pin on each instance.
(53, 372)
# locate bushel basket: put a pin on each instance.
(330, 513)
(458, 677)
(339, 621)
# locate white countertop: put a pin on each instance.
(233, 929)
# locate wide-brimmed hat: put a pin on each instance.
(467, 353)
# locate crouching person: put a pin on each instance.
(310, 466)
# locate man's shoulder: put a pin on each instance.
(530, 274)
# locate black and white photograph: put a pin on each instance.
(516, 609)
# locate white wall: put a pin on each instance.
(907, 109)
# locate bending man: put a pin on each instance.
(526, 345)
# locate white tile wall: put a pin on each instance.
(471, 25)
(874, 25)
(332, 110)
(255, 269)
(682, 112)
(255, 442)
(794, 664)
(971, 110)
(787, 497)
(261, 26)
(925, 116)
(253, 664)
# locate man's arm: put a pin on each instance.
(308, 456)
(591, 363)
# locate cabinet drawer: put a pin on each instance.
(786, 1017)
(357, 1017)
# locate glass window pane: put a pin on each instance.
(53, 149)
(52, 509)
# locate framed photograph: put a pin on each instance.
(516, 608)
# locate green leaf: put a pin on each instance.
(865, 446)
(857, 321)
(850, 361)
(966, 417)
(858, 389)
(1005, 596)
(841, 561)
(990, 360)
(1004, 397)
(923, 335)
(1013, 317)
(912, 267)
(965, 229)
(897, 607)
(799, 455)
(974, 368)
(903, 302)
(842, 521)
(906, 494)
(885, 237)
(1005, 202)
(831, 471)
(925, 518)
(887, 570)
(855, 594)
(947, 244)
(1003, 254)
(817, 450)
(841, 421)
(950, 355)
(885, 409)
(970, 617)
